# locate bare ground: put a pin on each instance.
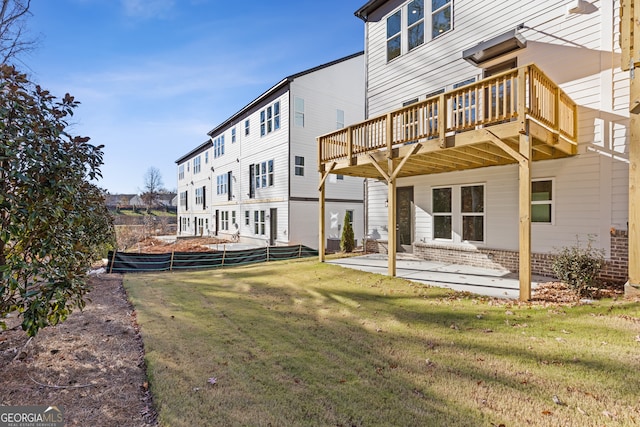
(92, 364)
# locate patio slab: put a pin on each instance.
(482, 281)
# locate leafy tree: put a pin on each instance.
(53, 220)
(346, 241)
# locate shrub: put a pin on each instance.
(578, 266)
(346, 242)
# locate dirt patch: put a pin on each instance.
(92, 364)
(157, 246)
(561, 293)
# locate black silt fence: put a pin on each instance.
(123, 262)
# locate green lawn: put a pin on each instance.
(302, 343)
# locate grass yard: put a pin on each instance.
(303, 343)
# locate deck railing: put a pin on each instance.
(485, 103)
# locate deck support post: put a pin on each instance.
(633, 286)
(321, 230)
(321, 199)
(524, 191)
(391, 206)
(524, 209)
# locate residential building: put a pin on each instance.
(497, 132)
(256, 177)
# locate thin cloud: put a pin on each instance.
(147, 9)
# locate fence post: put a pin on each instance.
(267, 253)
(171, 263)
(113, 260)
(300, 250)
(224, 254)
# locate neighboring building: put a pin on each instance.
(256, 176)
(495, 162)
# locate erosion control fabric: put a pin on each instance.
(123, 262)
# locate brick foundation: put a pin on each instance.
(615, 269)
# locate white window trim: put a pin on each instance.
(551, 202)
(404, 27)
(457, 214)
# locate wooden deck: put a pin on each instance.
(519, 116)
(474, 126)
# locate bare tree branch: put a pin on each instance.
(13, 17)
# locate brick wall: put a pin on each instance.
(614, 271)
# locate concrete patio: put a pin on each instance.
(482, 281)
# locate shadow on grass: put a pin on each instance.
(307, 343)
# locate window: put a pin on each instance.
(196, 165)
(222, 184)
(247, 218)
(298, 113)
(246, 127)
(394, 36)
(472, 209)
(224, 220)
(233, 217)
(464, 220)
(218, 146)
(350, 217)
(233, 135)
(259, 222)
(339, 177)
(542, 201)
(415, 23)
(299, 167)
(263, 173)
(181, 171)
(206, 157)
(339, 119)
(440, 17)
(187, 166)
(424, 21)
(442, 213)
(270, 119)
(183, 200)
(200, 196)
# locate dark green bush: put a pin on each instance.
(347, 243)
(578, 266)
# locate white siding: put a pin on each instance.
(581, 54)
(340, 86)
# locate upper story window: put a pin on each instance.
(394, 37)
(233, 135)
(298, 111)
(181, 171)
(206, 157)
(440, 17)
(409, 27)
(196, 165)
(415, 23)
(299, 166)
(246, 127)
(270, 119)
(222, 184)
(339, 119)
(264, 174)
(218, 146)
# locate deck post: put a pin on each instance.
(321, 230)
(634, 186)
(524, 191)
(391, 212)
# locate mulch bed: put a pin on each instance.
(91, 365)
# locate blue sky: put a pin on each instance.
(154, 76)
